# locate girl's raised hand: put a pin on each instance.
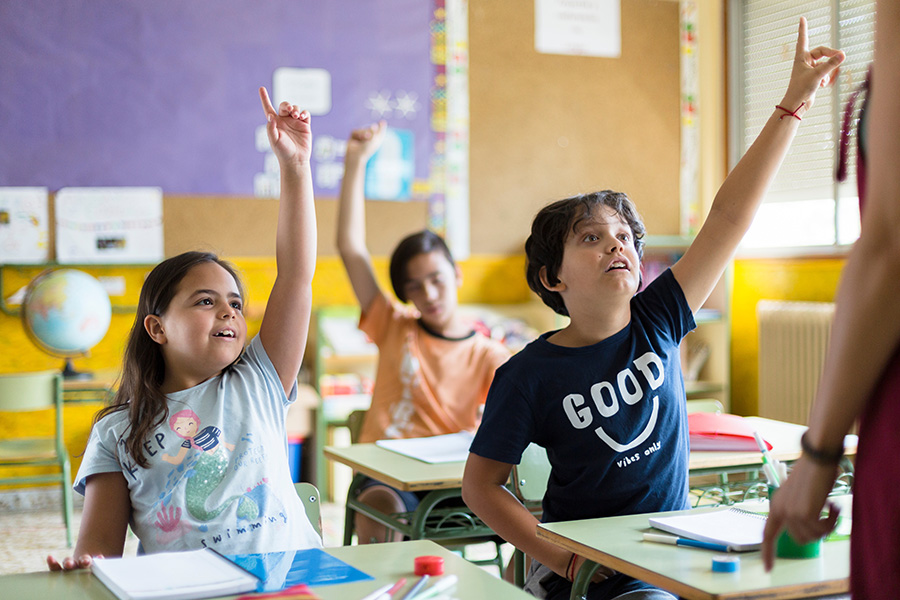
(810, 72)
(290, 134)
(363, 143)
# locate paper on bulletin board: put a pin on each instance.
(24, 234)
(109, 225)
(310, 89)
(578, 27)
(390, 171)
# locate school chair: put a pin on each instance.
(309, 495)
(709, 405)
(31, 394)
(529, 483)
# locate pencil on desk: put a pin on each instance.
(678, 541)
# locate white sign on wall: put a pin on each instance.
(24, 234)
(579, 27)
(109, 225)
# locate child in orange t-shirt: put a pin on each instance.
(434, 370)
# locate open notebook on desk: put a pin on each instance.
(452, 447)
(740, 530)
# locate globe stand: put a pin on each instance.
(71, 374)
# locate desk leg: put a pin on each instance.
(583, 580)
(349, 512)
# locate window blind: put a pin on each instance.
(765, 40)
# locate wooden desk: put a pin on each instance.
(785, 440)
(440, 481)
(444, 480)
(617, 542)
(386, 562)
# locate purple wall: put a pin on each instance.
(163, 92)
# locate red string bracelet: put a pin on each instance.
(571, 568)
(793, 114)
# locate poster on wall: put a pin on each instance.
(24, 234)
(579, 27)
(109, 225)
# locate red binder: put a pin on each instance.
(713, 431)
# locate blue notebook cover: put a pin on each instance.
(278, 570)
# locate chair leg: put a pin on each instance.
(67, 501)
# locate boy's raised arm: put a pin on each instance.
(285, 325)
(351, 233)
(740, 195)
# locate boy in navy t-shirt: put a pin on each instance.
(605, 395)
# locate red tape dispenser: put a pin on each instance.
(429, 565)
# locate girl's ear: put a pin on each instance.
(559, 287)
(154, 328)
(458, 276)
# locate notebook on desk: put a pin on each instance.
(452, 447)
(740, 530)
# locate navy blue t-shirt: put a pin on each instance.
(612, 415)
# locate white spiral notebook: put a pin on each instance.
(740, 530)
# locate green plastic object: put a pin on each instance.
(787, 547)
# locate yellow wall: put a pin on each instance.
(801, 279)
(486, 279)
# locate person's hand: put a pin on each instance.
(797, 507)
(71, 563)
(810, 72)
(363, 143)
(290, 134)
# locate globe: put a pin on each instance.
(66, 312)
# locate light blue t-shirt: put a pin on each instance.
(218, 471)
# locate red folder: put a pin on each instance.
(713, 431)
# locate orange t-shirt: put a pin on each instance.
(425, 384)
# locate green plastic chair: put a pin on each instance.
(31, 393)
(529, 483)
(309, 495)
(709, 405)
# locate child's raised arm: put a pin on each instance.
(741, 193)
(351, 233)
(286, 322)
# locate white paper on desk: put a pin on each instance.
(452, 447)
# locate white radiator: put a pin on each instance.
(793, 337)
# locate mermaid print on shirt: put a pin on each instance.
(206, 472)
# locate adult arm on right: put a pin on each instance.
(866, 330)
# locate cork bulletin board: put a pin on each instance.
(545, 126)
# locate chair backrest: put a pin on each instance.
(39, 390)
(309, 495)
(354, 424)
(530, 476)
(708, 405)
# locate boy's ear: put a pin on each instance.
(154, 329)
(559, 287)
(459, 279)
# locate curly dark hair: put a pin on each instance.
(552, 226)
